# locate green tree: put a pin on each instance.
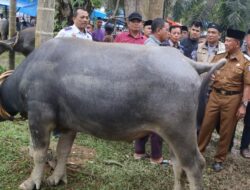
(64, 10)
(227, 13)
(233, 13)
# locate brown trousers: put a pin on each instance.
(224, 107)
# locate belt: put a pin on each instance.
(225, 92)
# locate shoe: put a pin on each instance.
(161, 162)
(217, 166)
(140, 156)
(245, 153)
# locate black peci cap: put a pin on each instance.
(237, 34)
(248, 32)
(147, 23)
(135, 16)
(184, 28)
(215, 26)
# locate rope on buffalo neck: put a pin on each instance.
(3, 113)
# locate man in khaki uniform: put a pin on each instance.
(212, 46)
(228, 99)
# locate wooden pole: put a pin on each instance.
(45, 21)
(12, 31)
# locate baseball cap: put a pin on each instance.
(135, 16)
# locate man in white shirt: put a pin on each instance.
(80, 19)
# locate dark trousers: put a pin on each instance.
(245, 139)
(156, 145)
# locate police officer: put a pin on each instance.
(81, 20)
(228, 99)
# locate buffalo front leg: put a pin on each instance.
(41, 123)
(35, 178)
(63, 150)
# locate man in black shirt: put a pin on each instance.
(190, 44)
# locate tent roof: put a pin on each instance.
(24, 6)
(97, 13)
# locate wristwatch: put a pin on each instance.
(244, 103)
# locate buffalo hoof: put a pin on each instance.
(29, 184)
(55, 179)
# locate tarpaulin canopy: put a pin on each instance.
(96, 13)
(28, 7)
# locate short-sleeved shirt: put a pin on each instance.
(73, 32)
(152, 41)
(126, 37)
(234, 74)
(98, 35)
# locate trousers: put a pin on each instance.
(156, 145)
(245, 138)
(223, 107)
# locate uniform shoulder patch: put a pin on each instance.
(247, 57)
(68, 28)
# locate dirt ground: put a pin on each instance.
(235, 176)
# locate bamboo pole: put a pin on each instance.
(45, 21)
(12, 31)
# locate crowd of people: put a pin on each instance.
(230, 88)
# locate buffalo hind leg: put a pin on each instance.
(178, 172)
(187, 157)
(63, 149)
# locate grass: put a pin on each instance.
(110, 167)
(4, 59)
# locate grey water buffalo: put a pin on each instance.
(23, 42)
(4, 28)
(112, 91)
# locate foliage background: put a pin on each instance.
(227, 13)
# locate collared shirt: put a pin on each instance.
(177, 45)
(234, 74)
(73, 32)
(153, 41)
(126, 37)
(98, 35)
(206, 53)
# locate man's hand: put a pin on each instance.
(241, 112)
